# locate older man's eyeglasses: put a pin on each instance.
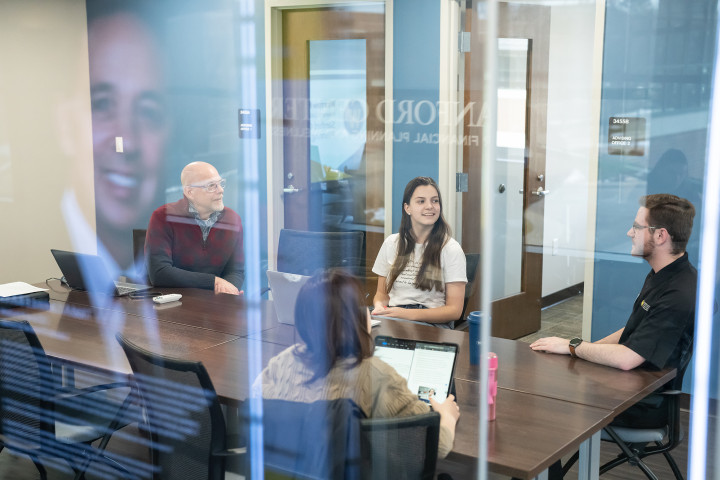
(636, 228)
(212, 187)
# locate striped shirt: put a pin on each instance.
(205, 225)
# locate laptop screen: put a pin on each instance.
(89, 272)
(427, 366)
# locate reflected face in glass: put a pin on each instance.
(677, 173)
(424, 206)
(643, 243)
(128, 101)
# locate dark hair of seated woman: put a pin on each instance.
(332, 321)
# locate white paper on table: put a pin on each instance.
(18, 288)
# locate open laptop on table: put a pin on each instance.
(428, 367)
(88, 272)
(285, 288)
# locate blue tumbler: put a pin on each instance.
(474, 320)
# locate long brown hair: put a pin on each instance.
(331, 319)
(429, 275)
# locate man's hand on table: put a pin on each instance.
(552, 345)
(223, 286)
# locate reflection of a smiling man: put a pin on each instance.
(128, 100)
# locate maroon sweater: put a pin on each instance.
(177, 256)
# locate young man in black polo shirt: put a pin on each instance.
(661, 326)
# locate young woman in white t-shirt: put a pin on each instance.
(421, 268)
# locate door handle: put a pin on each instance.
(540, 192)
(290, 189)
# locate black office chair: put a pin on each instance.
(303, 253)
(633, 442)
(141, 274)
(402, 447)
(472, 261)
(38, 418)
(307, 440)
(184, 418)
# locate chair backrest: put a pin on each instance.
(309, 440)
(685, 359)
(402, 447)
(139, 254)
(185, 421)
(303, 253)
(27, 385)
(673, 402)
(472, 260)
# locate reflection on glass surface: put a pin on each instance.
(510, 166)
(338, 124)
(337, 108)
(130, 127)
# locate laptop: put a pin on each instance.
(88, 272)
(285, 288)
(428, 367)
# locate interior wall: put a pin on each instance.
(416, 80)
(45, 135)
(568, 145)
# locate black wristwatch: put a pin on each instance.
(574, 343)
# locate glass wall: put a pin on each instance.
(539, 129)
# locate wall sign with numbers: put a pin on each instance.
(626, 136)
(248, 123)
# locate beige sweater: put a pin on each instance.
(373, 385)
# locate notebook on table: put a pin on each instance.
(88, 272)
(428, 367)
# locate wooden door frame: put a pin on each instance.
(273, 104)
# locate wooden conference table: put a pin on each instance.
(548, 406)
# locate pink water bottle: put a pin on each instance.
(492, 384)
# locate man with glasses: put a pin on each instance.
(661, 326)
(197, 241)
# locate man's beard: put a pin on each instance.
(648, 248)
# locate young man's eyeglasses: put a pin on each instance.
(211, 187)
(637, 227)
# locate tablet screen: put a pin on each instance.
(427, 366)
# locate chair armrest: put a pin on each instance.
(103, 405)
(230, 452)
(461, 325)
(71, 391)
(18, 444)
(671, 392)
